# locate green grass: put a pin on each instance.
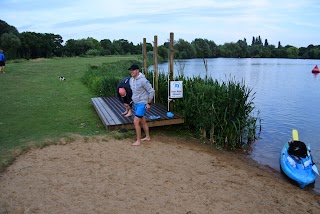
(36, 106)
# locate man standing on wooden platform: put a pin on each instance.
(142, 95)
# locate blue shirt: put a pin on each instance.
(2, 57)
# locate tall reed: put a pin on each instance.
(223, 112)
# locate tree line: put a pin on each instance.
(31, 45)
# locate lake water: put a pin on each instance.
(287, 96)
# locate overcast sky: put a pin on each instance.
(289, 21)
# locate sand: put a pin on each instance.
(166, 175)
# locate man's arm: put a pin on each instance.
(148, 87)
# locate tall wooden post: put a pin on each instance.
(171, 58)
(144, 56)
(156, 75)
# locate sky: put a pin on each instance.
(291, 22)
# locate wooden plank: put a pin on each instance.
(106, 115)
(153, 123)
(112, 115)
(109, 110)
(117, 107)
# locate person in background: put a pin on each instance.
(142, 96)
(2, 61)
(124, 94)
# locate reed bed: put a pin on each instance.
(221, 112)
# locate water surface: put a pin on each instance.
(287, 96)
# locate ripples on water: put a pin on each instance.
(287, 96)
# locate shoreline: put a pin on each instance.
(166, 175)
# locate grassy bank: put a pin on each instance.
(36, 106)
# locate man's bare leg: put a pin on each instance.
(145, 129)
(125, 112)
(127, 109)
(137, 126)
(129, 113)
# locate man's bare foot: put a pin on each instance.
(128, 115)
(137, 143)
(123, 113)
(145, 139)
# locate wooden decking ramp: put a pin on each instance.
(109, 110)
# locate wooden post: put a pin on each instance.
(171, 63)
(145, 56)
(156, 75)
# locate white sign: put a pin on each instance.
(176, 89)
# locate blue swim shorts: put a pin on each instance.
(140, 109)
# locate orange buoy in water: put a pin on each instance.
(315, 69)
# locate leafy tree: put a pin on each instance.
(202, 48)
(253, 41)
(279, 45)
(281, 53)
(91, 42)
(163, 52)
(149, 47)
(292, 52)
(33, 45)
(93, 52)
(116, 48)
(256, 41)
(259, 41)
(303, 53)
(272, 49)
(10, 43)
(255, 51)
(51, 45)
(30, 45)
(6, 28)
(214, 48)
(230, 50)
(80, 47)
(106, 46)
(243, 52)
(265, 53)
(184, 50)
(122, 46)
(7, 31)
(136, 49)
(314, 53)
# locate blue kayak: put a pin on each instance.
(296, 162)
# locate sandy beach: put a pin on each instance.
(166, 175)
